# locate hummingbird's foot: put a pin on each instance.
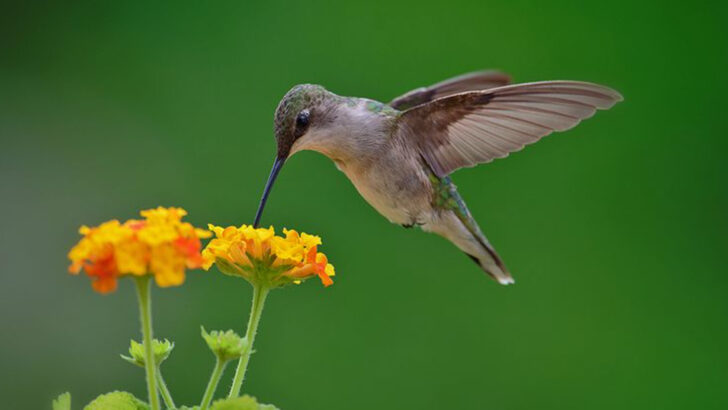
(412, 225)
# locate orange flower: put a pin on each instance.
(259, 255)
(160, 244)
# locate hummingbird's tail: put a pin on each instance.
(490, 262)
(463, 231)
(455, 223)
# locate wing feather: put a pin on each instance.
(475, 81)
(470, 128)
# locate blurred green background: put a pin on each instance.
(615, 231)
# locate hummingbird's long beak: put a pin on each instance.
(277, 165)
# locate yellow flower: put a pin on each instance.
(160, 244)
(261, 256)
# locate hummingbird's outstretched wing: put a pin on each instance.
(471, 128)
(475, 81)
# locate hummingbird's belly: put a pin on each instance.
(401, 193)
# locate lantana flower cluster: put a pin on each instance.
(160, 245)
(261, 256)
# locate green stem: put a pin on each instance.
(166, 395)
(212, 384)
(145, 312)
(259, 295)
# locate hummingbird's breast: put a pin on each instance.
(395, 184)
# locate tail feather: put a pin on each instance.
(469, 239)
(453, 221)
(492, 264)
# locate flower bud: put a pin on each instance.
(225, 345)
(161, 351)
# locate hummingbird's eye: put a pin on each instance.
(302, 119)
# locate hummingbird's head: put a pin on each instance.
(300, 110)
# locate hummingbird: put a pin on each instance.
(400, 155)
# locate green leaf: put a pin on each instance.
(241, 403)
(118, 400)
(62, 402)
